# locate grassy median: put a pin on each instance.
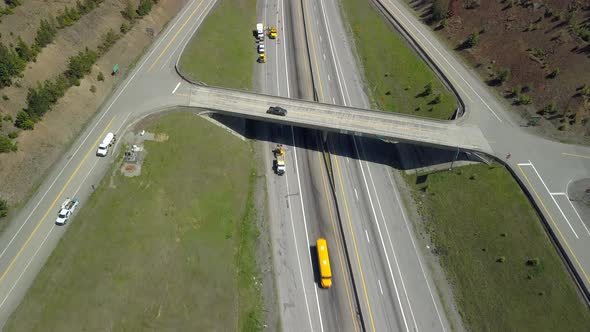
(172, 249)
(223, 52)
(506, 274)
(397, 78)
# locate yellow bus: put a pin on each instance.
(324, 263)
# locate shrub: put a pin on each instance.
(13, 134)
(551, 107)
(428, 89)
(124, 27)
(108, 40)
(144, 8)
(80, 65)
(440, 9)
(554, 73)
(524, 99)
(5, 97)
(128, 13)
(501, 259)
(437, 99)
(67, 17)
(7, 117)
(533, 262)
(12, 3)
(10, 65)
(45, 34)
(6, 144)
(24, 51)
(585, 90)
(502, 75)
(92, 88)
(24, 121)
(444, 23)
(3, 208)
(100, 76)
(472, 40)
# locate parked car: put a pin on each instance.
(260, 48)
(276, 110)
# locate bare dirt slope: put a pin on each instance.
(532, 39)
(20, 171)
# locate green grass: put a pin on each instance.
(477, 214)
(222, 52)
(395, 75)
(172, 249)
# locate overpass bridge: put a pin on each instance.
(346, 120)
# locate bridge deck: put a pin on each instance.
(355, 121)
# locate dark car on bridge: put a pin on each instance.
(277, 111)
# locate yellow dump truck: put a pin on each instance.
(273, 32)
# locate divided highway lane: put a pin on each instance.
(394, 288)
(31, 236)
(301, 208)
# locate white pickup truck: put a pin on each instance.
(67, 209)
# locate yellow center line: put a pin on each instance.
(354, 243)
(338, 245)
(54, 201)
(175, 35)
(575, 155)
(316, 60)
(554, 224)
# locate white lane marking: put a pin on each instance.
(367, 234)
(284, 43)
(447, 61)
(380, 288)
(356, 194)
(188, 33)
(553, 198)
(342, 84)
(320, 38)
(399, 203)
(297, 252)
(574, 208)
(333, 100)
(86, 177)
(89, 133)
(176, 88)
(329, 79)
(347, 160)
(324, 54)
(577, 214)
(388, 236)
(305, 224)
(524, 164)
(26, 267)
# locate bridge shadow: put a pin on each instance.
(398, 155)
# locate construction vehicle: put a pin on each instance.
(67, 209)
(262, 58)
(273, 32)
(279, 162)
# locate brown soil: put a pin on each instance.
(531, 44)
(40, 148)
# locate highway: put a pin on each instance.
(389, 284)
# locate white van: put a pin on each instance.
(103, 148)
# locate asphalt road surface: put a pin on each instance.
(391, 287)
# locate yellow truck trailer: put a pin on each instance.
(324, 263)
